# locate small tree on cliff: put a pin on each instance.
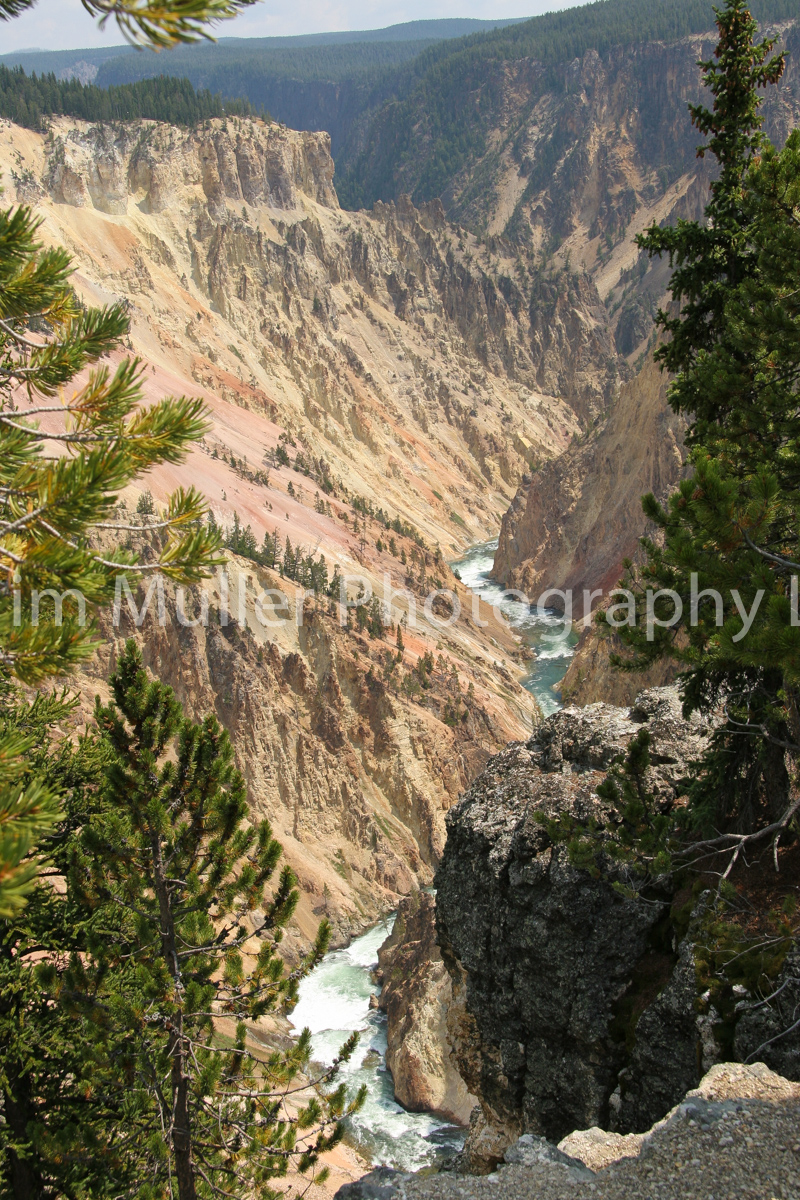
(171, 851)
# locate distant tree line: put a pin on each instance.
(28, 99)
(246, 69)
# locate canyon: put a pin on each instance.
(371, 399)
(386, 388)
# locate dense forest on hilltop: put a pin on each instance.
(447, 98)
(27, 99)
(243, 69)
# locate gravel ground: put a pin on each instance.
(736, 1137)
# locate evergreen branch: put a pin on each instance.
(23, 341)
(776, 558)
(727, 840)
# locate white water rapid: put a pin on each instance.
(542, 629)
(334, 1001)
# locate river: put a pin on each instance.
(334, 999)
(542, 629)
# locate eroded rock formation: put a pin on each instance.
(380, 342)
(416, 995)
(591, 675)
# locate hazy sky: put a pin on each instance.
(65, 25)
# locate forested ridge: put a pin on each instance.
(405, 114)
(27, 99)
(449, 96)
(242, 68)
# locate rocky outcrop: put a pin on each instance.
(416, 995)
(733, 1135)
(580, 1006)
(573, 523)
(556, 967)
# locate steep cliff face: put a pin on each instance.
(581, 1007)
(580, 515)
(383, 343)
(600, 156)
(555, 145)
(572, 344)
(416, 995)
(544, 954)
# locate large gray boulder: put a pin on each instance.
(554, 966)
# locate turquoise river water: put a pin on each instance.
(334, 1000)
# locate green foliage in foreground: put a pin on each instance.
(125, 996)
(28, 99)
(59, 486)
(734, 526)
(56, 505)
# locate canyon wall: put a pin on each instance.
(580, 515)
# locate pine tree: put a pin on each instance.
(289, 561)
(709, 258)
(234, 538)
(63, 1070)
(334, 587)
(154, 23)
(734, 526)
(172, 850)
(51, 507)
